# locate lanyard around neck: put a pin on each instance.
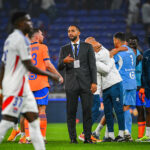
(73, 49)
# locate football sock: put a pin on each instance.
(141, 129)
(4, 126)
(99, 128)
(147, 131)
(22, 134)
(111, 135)
(43, 123)
(106, 132)
(128, 120)
(121, 133)
(16, 127)
(26, 125)
(36, 136)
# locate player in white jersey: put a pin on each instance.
(17, 96)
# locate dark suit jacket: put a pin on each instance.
(86, 74)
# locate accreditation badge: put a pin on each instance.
(77, 64)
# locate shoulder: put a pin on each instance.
(43, 46)
(85, 44)
(66, 46)
(147, 52)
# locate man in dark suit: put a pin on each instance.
(77, 59)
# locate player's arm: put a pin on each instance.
(51, 68)
(104, 69)
(2, 68)
(28, 64)
(116, 50)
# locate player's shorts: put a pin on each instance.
(139, 101)
(41, 96)
(129, 97)
(14, 105)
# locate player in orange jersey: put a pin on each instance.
(39, 84)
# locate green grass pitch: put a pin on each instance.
(58, 139)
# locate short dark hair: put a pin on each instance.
(35, 30)
(133, 37)
(120, 35)
(16, 16)
(76, 27)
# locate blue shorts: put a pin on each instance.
(41, 96)
(129, 97)
(139, 101)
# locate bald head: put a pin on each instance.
(90, 39)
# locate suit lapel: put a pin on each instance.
(80, 49)
(70, 50)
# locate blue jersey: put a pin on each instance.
(138, 70)
(125, 63)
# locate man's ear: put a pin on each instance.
(20, 23)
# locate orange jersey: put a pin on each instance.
(39, 53)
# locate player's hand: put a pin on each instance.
(142, 94)
(68, 59)
(61, 80)
(93, 87)
(139, 58)
(96, 46)
(53, 76)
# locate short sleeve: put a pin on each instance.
(45, 53)
(24, 48)
(116, 58)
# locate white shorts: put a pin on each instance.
(14, 105)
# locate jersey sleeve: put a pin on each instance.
(24, 49)
(116, 58)
(45, 53)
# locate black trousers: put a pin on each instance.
(72, 103)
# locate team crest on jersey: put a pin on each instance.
(15, 110)
(132, 75)
(117, 99)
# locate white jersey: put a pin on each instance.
(106, 67)
(16, 49)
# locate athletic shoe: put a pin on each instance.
(95, 140)
(128, 138)
(81, 137)
(22, 140)
(143, 139)
(109, 139)
(14, 135)
(95, 135)
(28, 140)
(45, 141)
(119, 139)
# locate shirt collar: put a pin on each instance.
(34, 43)
(76, 42)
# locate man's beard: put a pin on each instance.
(73, 39)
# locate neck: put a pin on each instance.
(135, 51)
(34, 40)
(75, 41)
(120, 44)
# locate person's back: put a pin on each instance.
(113, 75)
(39, 53)
(125, 63)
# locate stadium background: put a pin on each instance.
(96, 18)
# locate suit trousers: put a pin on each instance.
(72, 103)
